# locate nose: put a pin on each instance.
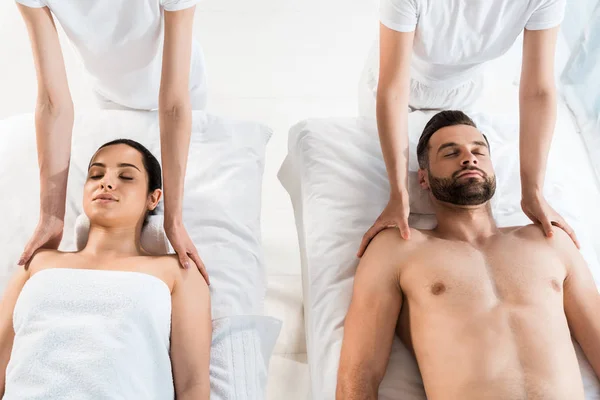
(469, 159)
(106, 184)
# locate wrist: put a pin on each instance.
(173, 220)
(398, 192)
(531, 192)
(50, 219)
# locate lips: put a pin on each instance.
(105, 197)
(472, 172)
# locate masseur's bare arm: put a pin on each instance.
(191, 336)
(7, 333)
(175, 117)
(53, 125)
(582, 301)
(371, 320)
(392, 123)
(537, 99)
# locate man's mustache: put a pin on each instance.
(461, 171)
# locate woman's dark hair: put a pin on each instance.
(439, 121)
(151, 165)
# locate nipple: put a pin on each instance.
(438, 288)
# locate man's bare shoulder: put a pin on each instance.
(535, 232)
(391, 243)
(559, 241)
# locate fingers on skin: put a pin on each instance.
(404, 229)
(183, 259)
(27, 253)
(200, 265)
(562, 224)
(375, 229)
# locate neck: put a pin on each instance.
(113, 242)
(471, 224)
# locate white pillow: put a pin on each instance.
(153, 239)
(221, 205)
(336, 179)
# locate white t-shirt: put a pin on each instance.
(120, 43)
(453, 38)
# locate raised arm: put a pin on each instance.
(537, 100)
(7, 333)
(191, 336)
(392, 122)
(581, 302)
(53, 125)
(371, 321)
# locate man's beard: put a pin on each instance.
(469, 192)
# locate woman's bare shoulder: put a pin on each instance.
(45, 258)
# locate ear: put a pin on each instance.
(423, 179)
(154, 198)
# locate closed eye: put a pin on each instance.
(95, 177)
(127, 178)
(454, 153)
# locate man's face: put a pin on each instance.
(460, 170)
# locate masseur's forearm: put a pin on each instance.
(356, 387)
(392, 124)
(198, 392)
(537, 122)
(54, 127)
(175, 130)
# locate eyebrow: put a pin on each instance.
(452, 144)
(122, 165)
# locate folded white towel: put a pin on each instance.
(153, 240)
(91, 335)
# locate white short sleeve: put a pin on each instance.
(176, 5)
(32, 3)
(399, 15)
(548, 14)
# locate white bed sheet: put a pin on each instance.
(288, 372)
(326, 160)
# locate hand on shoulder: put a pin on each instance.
(42, 257)
(192, 274)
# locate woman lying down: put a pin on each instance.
(109, 321)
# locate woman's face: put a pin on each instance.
(116, 188)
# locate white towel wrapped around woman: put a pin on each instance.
(91, 335)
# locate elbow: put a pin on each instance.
(174, 111)
(53, 107)
(540, 93)
(174, 103)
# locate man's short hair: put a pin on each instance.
(439, 121)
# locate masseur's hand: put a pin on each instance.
(47, 235)
(540, 212)
(395, 214)
(183, 246)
